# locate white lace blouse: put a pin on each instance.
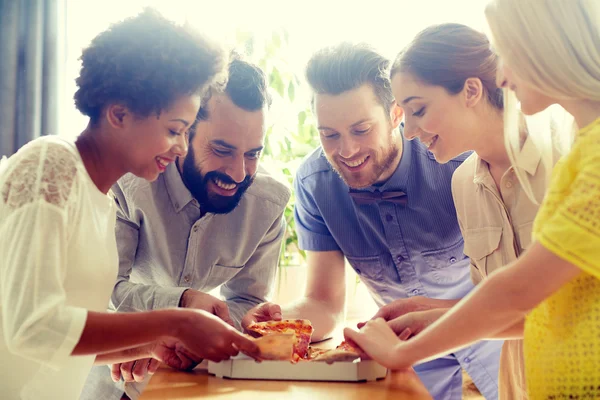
(58, 259)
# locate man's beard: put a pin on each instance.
(197, 184)
(379, 166)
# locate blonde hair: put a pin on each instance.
(553, 45)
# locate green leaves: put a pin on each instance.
(291, 91)
(276, 82)
(293, 134)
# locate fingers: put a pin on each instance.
(115, 372)
(274, 311)
(352, 335)
(360, 324)
(399, 324)
(405, 334)
(231, 350)
(126, 371)
(140, 369)
(188, 361)
(222, 311)
(263, 312)
(180, 359)
(246, 345)
(153, 366)
(383, 312)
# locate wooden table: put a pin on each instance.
(198, 384)
(171, 384)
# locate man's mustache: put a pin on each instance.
(226, 178)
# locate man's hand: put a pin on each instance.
(400, 307)
(416, 322)
(203, 301)
(260, 313)
(167, 351)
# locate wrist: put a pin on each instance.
(422, 303)
(175, 321)
(402, 354)
(143, 351)
(432, 304)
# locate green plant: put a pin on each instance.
(288, 140)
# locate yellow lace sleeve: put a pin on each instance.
(569, 220)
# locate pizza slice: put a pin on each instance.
(314, 352)
(347, 347)
(336, 355)
(345, 352)
(302, 329)
(278, 346)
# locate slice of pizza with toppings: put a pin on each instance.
(277, 346)
(302, 329)
(314, 352)
(347, 347)
(345, 352)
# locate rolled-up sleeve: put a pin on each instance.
(313, 234)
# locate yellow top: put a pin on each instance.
(562, 335)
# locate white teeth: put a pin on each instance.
(430, 142)
(354, 163)
(162, 162)
(223, 185)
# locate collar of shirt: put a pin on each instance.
(178, 193)
(530, 157)
(528, 160)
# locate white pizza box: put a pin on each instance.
(244, 367)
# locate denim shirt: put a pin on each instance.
(399, 251)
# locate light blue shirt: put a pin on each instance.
(400, 251)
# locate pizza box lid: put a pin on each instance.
(244, 367)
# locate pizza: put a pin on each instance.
(277, 346)
(290, 339)
(302, 329)
(343, 352)
(347, 347)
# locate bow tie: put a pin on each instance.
(375, 197)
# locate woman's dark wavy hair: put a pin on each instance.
(145, 63)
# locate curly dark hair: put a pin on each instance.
(145, 63)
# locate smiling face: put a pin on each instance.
(224, 155)
(437, 118)
(359, 139)
(154, 142)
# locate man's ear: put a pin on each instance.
(473, 91)
(116, 115)
(396, 114)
